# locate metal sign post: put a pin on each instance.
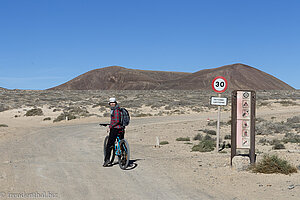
(219, 85)
(243, 122)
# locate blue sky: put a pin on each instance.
(45, 43)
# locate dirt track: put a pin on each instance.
(67, 161)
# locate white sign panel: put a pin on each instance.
(218, 101)
(243, 119)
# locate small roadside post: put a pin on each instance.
(219, 85)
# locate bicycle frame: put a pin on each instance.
(117, 147)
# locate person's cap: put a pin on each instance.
(112, 100)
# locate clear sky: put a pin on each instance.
(44, 43)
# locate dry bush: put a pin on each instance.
(273, 164)
(64, 116)
(34, 112)
(164, 142)
(183, 139)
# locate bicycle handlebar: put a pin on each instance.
(104, 124)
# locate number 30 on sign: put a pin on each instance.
(219, 84)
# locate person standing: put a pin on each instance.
(115, 129)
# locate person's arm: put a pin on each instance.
(115, 120)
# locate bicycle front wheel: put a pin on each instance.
(124, 158)
(112, 155)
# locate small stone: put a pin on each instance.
(240, 163)
(260, 185)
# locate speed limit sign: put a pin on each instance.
(219, 84)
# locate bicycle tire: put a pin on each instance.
(112, 156)
(124, 158)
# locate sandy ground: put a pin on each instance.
(64, 160)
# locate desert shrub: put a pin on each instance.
(106, 114)
(56, 109)
(214, 123)
(80, 111)
(101, 109)
(204, 146)
(211, 132)
(268, 128)
(273, 164)
(291, 137)
(259, 119)
(227, 137)
(63, 116)
(3, 107)
(100, 104)
(47, 119)
(229, 122)
(198, 137)
(183, 139)
(34, 112)
(262, 141)
(263, 104)
(208, 137)
(3, 125)
(274, 141)
(164, 142)
(295, 119)
(168, 108)
(141, 115)
(278, 146)
(287, 103)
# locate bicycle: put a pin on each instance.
(120, 149)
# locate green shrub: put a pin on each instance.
(164, 142)
(183, 139)
(34, 112)
(204, 146)
(3, 125)
(273, 164)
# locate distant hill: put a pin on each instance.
(1, 88)
(239, 76)
(119, 78)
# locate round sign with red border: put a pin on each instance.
(219, 84)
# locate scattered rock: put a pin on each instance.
(240, 163)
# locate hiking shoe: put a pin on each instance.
(106, 163)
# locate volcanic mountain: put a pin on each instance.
(239, 76)
(119, 78)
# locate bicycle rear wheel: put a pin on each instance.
(112, 155)
(125, 154)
